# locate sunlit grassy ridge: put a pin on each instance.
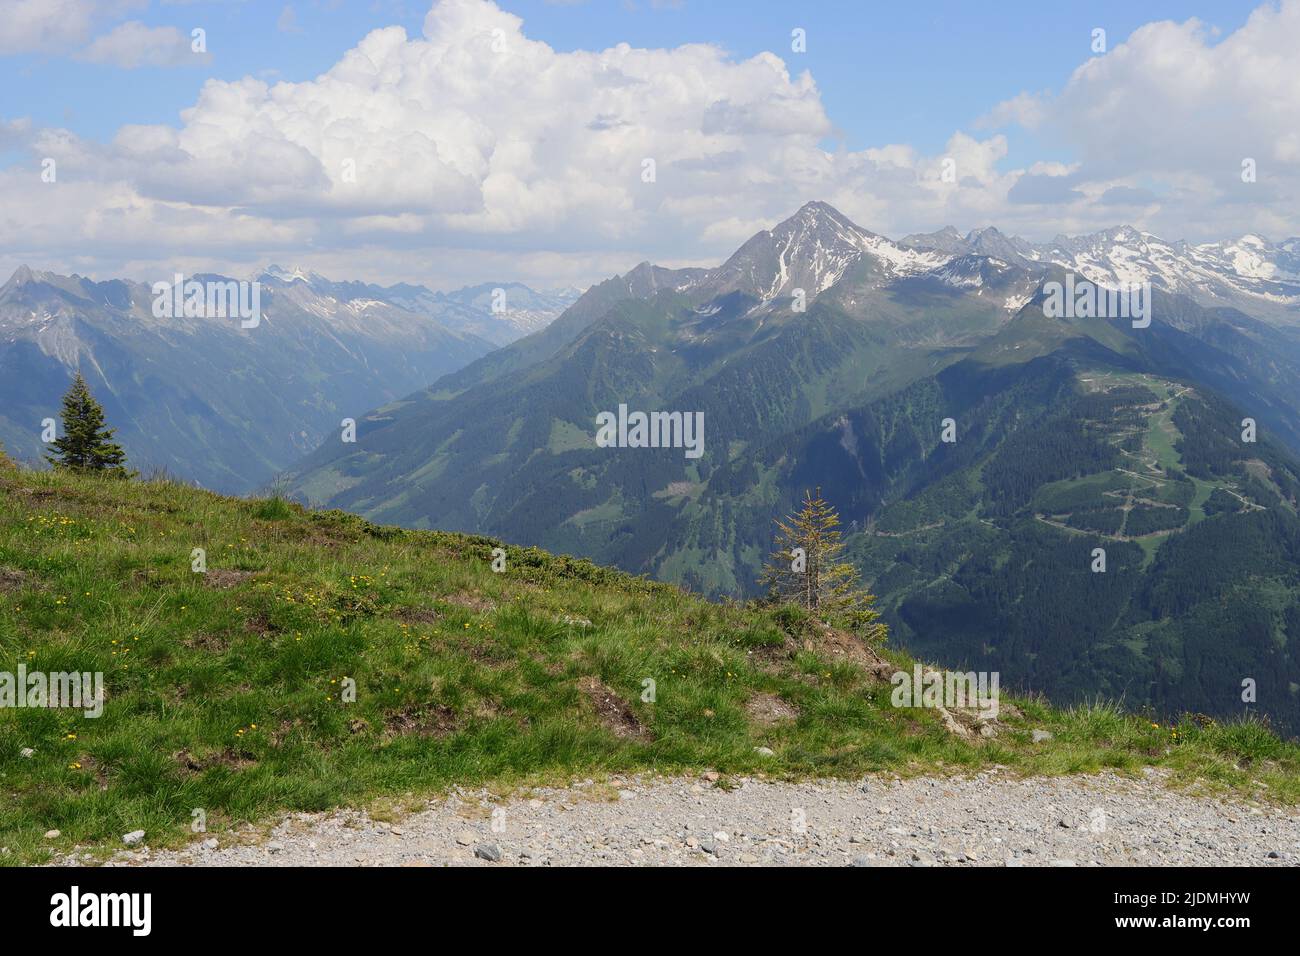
(225, 690)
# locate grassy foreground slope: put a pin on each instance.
(225, 690)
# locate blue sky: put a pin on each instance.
(527, 165)
(887, 71)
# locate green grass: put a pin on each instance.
(1161, 436)
(226, 690)
(1150, 544)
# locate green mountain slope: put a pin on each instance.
(1201, 589)
(203, 398)
(850, 395)
(981, 549)
(323, 660)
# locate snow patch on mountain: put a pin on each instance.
(813, 250)
(1235, 271)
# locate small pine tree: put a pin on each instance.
(86, 445)
(807, 569)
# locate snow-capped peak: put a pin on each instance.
(817, 247)
(296, 274)
(812, 250)
(1248, 266)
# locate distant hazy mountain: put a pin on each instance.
(822, 354)
(204, 398)
(497, 312)
(524, 310)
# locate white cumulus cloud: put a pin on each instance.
(1173, 111)
(449, 156)
(133, 44)
(51, 26)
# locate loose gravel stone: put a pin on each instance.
(488, 851)
(990, 819)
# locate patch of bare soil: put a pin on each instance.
(473, 602)
(206, 642)
(287, 728)
(11, 579)
(416, 615)
(92, 766)
(229, 757)
(146, 577)
(223, 578)
(54, 499)
(259, 624)
(613, 711)
(424, 720)
(486, 652)
(849, 647)
(768, 709)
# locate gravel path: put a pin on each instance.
(990, 819)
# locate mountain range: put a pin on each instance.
(227, 406)
(516, 312)
(825, 355)
(1248, 272)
